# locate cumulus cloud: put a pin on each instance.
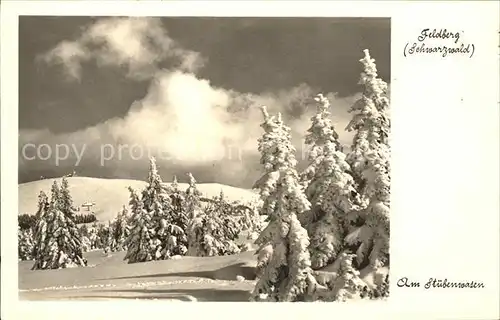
(188, 124)
(185, 121)
(137, 44)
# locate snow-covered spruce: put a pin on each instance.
(168, 238)
(214, 229)
(119, 231)
(250, 220)
(157, 231)
(192, 201)
(347, 284)
(287, 275)
(370, 158)
(320, 133)
(138, 241)
(84, 233)
(25, 244)
(179, 217)
(102, 240)
(58, 242)
(371, 121)
(329, 187)
(372, 237)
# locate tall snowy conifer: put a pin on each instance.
(287, 276)
(139, 239)
(157, 203)
(192, 200)
(57, 238)
(66, 201)
(176, 196)
(330, 188)
(162, 226)
(370, 157)
(370, 122)
(179, 215)
(119, 230)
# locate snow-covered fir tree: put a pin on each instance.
(214, 230)
(348, 285)
(84, 230)
(57, 238)
(287, 275)
(169, 238)
(318, 135)
(40, 228)
(119, 230)
(329, 187)
(155, 225)
(25, 244)
(66, 201)
(370, 159)
(108, 240)
(178, 217)
(43, 205)
(139, 240)
(176, 196)
(192, 199)
(92, 235)
(102, 240)
(371, 122)
(84, 233)
(250, 218)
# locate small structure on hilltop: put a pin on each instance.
(88, 205)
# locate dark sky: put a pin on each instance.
(277, 60)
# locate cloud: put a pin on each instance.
(138, 44)
(189, 125)
(184, 120)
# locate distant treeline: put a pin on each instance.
(27, 221)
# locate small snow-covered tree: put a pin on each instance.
(178, 217)
(348, 284)
(161, 231)
(168, 238)
(287, 275)
(86, 245)
(102, 236)
(192, 199)
(40, 228)
(119, 230)
(250, 219)
(329, 187)
(176, 196)
(66, 201)
(214, 230)
(57, 239)
(370, 157)
(43, 205)
(320, 133)
(93, 237)
(25, 244)
(84, 233)
(139, 241)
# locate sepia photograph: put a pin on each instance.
(204, 158)
(336, 157)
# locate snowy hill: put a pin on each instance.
(110, 195)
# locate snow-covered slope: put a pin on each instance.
(109, 277)
(110, 195)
